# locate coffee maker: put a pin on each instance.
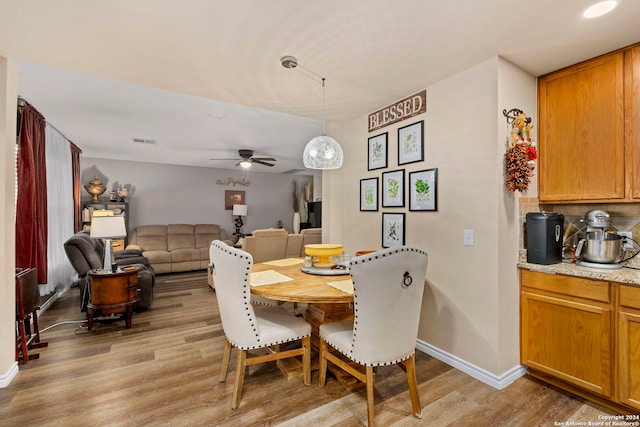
(544, 233)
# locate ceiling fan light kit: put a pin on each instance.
(322, 152)
(246, 159)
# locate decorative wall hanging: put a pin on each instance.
(423, 194)
(369, 194)
(232, 197)
(411, 143)
(234, 182)
(398, 111)
(377, 158)
(521, 155)
(393, 189)
(392, 229)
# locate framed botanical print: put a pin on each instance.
(369, 194)
(423, 190)
(392, 229)
(393, 189)
(377, 151)
(411, 143)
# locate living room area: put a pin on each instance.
(166, 101)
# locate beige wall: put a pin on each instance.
(470, 308)
(8, 97)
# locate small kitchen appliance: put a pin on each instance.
(544, 231)
(598, 248)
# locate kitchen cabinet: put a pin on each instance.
(582, 335)
(589, 131)
(629, 346)
(566, 329)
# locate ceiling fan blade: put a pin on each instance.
(228, 158)
(262, 163)
(264, 159)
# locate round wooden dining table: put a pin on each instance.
(325, 304)
(304, 287)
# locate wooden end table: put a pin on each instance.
(113, 293)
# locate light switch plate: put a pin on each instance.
(468, 238)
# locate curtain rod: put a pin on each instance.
(22, 102)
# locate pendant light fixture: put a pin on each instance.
(322, 152)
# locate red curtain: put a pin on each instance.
(77, 202)
(31, 210)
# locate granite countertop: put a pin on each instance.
(629, 274)
(626, 275)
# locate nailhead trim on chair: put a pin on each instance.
(368, 258)
(247, 302)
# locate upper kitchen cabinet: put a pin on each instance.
(590, 130)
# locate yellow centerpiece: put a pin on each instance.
(323, 251)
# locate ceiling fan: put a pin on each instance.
(246, 159)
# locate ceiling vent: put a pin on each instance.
(145, 141)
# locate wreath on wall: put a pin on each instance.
(521, 155)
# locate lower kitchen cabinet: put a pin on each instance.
(582, 335)
(629, 346)
(566, 333)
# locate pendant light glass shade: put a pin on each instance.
(322, 152)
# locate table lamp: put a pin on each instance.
(107, 227)
(239, 211)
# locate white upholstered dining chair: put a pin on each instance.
(247, 327)
(388, 287)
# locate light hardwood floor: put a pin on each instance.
(164, 371)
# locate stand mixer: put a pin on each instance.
(598, 248)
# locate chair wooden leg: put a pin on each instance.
(306, 360)
(370, 380)
(413, 386)
(323, 363)
(225, 361)
(240, 367)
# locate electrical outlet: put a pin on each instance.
(627, 243)
(468, 238)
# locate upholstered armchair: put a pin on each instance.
(85, 253)
(311, 236)
(266, 244)
(388, 287)
(250, 328)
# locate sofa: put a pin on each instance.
(85, 254)
(276, 243)
(176, 248)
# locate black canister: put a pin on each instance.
(544, 232)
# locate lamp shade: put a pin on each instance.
(322, 152)
(240, 210)
(107, 227)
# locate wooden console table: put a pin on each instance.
(113, 293)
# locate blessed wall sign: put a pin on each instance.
(398, 111)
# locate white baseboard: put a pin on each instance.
(496, 381)
(5, 379)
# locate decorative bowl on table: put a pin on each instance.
(323, 251)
